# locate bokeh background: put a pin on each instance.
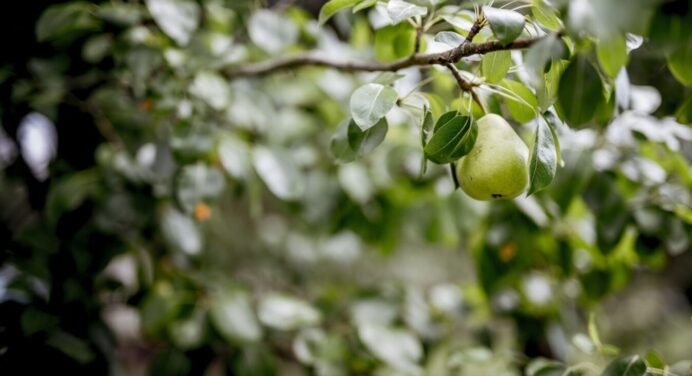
(159, 218)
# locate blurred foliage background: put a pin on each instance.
(160, 218)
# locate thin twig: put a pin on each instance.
(466, 86)
(312, 59)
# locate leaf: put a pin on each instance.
(452, 140)
(684, 113)
(177, 18)
(426, 127)
(680, 65)
(69, 192)
(339, 145)
(60, 20)
(400, 10)
(444, 119)
(278, 172)
(364, 142)
(554, 122)
(449, 38)
(212, 89)
(387, 78)
(522, 104)
(436, 104)
(394, 42)
(539, 55)
(626, 366)
(580, 92)
(653, 360)
(543, 162)
(197, 183)
(287, 313)
(370, 103)
(399, 348)
(331, 7)
(232, 315)
(495, 65)
(612, 54)
(546, 367)
(546, 15)
(180, 232)
(365, 4)
(506, 24)
(271, 31)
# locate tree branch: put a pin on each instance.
(312, 59)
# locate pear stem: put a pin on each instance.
(467, 86)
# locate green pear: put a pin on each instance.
(497, 166)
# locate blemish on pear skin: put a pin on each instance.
(496, 195)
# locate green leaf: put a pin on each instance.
(452, 140)
(546, 367)
(232, 315)
(540, 54)
(279, 173)
(653, 360)
(680, 64)
(612, 54)
(60, 20)
(387, 78)
(506, 24)
(436, 104)
(546, 15)
(543, 163)
(331, 7)
(427, 126)
(684, 112)
(399, 10)
(272, 31)
(177, 18)
(495, 65)
(522, 104)
(197, 183)
(69, 192)
(180, 232)
(364, 142)
(449, 38)
(444, 119)
(339, 146)
(626, 366)
(370, 103)
(554, 122)
(394, 42)
(580, 92)
(364, 5)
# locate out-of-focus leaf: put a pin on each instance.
(370, 103)
(331, 7)
(70, 192)
(626, 366)
(180, 232)
(580, 92)
(271, 31)
(211, 88)
(400, 10)
(71, 346)
(545, 367)
(680, 64)
(287, 313)
(62, 20)
(612, 54)
(278, 172)
(177, 18)
(397, 347)
(546, 15)
(653, 360)
(197, 183)
(394, 42)
(232, 315)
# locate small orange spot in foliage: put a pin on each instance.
(507, 252)
(202, 211)
(147, 104)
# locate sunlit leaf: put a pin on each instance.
(495, 65)
(370, 103)
(521, 102)
(278, 172)
(177, 18)
(400, 10)
(612, 54)
(331, 7)
(680, 64)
